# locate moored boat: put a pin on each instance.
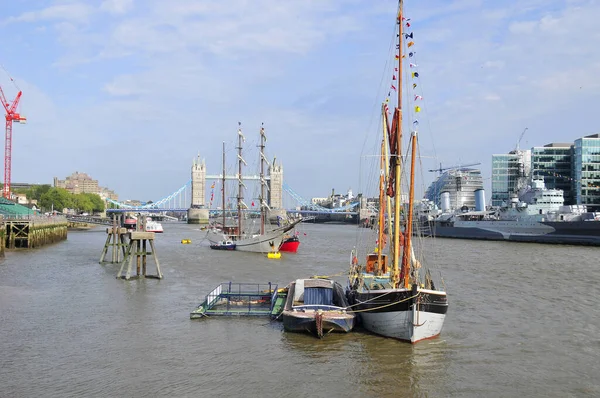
(153, 226)
(397, 298)
(223, 245)
(317, 306)
(264, 238)
(290, 244)
(538, 215)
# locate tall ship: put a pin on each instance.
(392, 290)
(537, 214)
(246, 236)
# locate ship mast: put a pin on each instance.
(397, 160)
(380, 244)
(223, 188)
(405, 276)
(240, 197)
(263, 138)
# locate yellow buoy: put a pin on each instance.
(186, 241)
(274, 255)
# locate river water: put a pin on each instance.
(523, 321)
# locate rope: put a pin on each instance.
(329, 276)
(382, 306)
(319, 323)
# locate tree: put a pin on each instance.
(57, 199)
(82, 203)
(97, 202)
(35, 192)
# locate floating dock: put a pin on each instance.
(242, 299)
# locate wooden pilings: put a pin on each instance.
(137, 249)
(115, 241)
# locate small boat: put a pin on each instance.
(153, 226)
(317, 306)
(223, 245)
(289, 244)
(130, 222)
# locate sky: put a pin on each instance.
(131, 91)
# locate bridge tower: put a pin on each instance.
(198, 213)
(276, 192)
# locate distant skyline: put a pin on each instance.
(130, 91)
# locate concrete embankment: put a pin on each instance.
(33, 231)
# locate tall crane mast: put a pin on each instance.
(11, 116)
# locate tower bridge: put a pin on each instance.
(194, 203)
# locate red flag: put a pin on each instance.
(393, 87)
(252, 204)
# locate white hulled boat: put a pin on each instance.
(397, 297)
(262, 238)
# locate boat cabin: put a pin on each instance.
(372, 265)
(315, 294)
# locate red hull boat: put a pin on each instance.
(290, 244)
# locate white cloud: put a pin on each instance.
(176, 76)
(75, 12)
(117, 6)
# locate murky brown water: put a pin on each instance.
(523, 321)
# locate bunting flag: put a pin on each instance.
(412, 54)
(414, 85)
(418, 97)
(396, 69)
(397, 46)
(407, 35)
(252, 204)
(410, 44)
(415, 74)
(397, 57)
(213, 185)
(394, 77)
(413, 65)
(393, 87)
(416, 122)
(407, 24)
(417, 109)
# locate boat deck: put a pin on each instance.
(242, 299)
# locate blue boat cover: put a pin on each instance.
(318, 295)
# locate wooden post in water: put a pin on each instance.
(114, 240)
(137, 248)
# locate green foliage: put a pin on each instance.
(36, 191)
(57, 199)
(97, 204)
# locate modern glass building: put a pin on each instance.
(586, 171)
(460, 183)
(510, 172)
(555, 163)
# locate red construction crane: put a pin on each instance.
(11, 116)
